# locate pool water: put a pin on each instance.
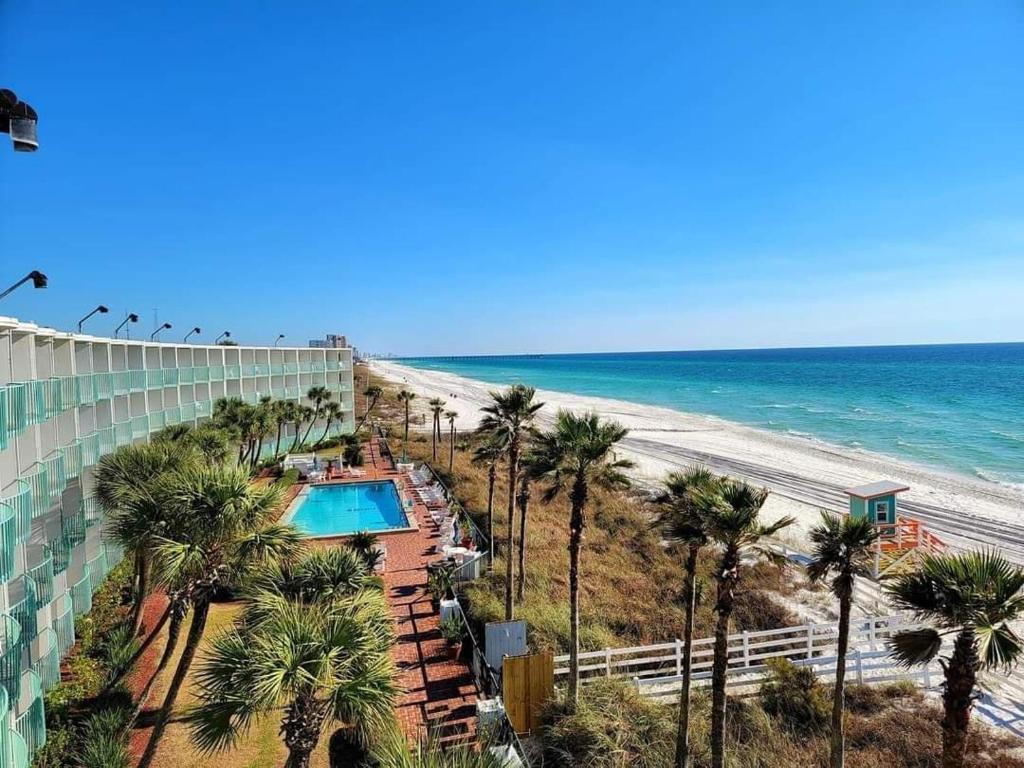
(339, 510)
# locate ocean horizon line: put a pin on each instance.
(495, 355)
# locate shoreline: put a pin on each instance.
(804, 473)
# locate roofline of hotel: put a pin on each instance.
(14, 325)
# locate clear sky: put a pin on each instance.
(479, 177)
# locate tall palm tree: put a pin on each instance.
(262, 424)
(224, 533)
(575, 455)
(733, 522)
(313, 641)
(451, 416)
(372, 395)
(682, 520)
(302, 414)
(436, 408)
(318, 396)
(488, 454)
(973, 598)
(129, 490)
(509, 421)
(333, 412)
(523, 505)
(406, 397)
(283, 415)
(842, 551)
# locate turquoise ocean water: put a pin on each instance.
(956, 407)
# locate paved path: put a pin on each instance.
(438, 693)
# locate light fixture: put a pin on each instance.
(226, 334)
(39, 280)
(197, 329)
(18, 119)
(131, 318)
(101, 309)
(279, 337)
(152, 336)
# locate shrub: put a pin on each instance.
(795, 697)
(353, 455)
(104, 743)
(612, 726)
(288, 478)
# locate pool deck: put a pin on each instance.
(438, 694)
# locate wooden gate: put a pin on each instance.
(527, 682)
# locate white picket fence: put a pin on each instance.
(658, 668)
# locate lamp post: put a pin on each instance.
(152, 336)
(101, 309)
(279, 337)
(225, 335)
(131, 318)
(39, 280)
(18, 119)
(197, 329)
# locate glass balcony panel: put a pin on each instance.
(81, 594)
(42, 575)
(64, 626)
(8, 540)
(121, 383)
(186, 375)
(24, 611)
(10, 656)
(31, 724)
(47, 666)
(92, 513)
(18, 496)
(85, 382)
(140, 427)
(40, 485)
(17, 411)
(122, 433)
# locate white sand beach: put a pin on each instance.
(804, 475)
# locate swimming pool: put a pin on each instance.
(345, 508)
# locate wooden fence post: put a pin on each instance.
(679, 657)
(810, 641)
(746, 649)
(608, 662)
(860, 667)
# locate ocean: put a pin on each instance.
(955, 407)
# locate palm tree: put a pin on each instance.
(372, 395)
(223, 535)
(332, 411)
(489, 453)
(318, 395)
(314, 641)
(282, 415)
(451, 416)
(842, 550)
(576, 454)
(682, 520)
(262, 424)
(405, 396)
(509, 421)
(523, 504)
(129, 490)
(212, 442)
(972, 597)
(302, 413)
(436, 407)
(733, 522)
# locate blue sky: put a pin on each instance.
(436, 178)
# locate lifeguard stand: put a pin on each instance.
(901, 540)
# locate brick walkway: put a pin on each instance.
(439, 695)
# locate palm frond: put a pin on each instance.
(915, 646)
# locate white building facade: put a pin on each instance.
(66, 400)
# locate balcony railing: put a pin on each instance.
(31, 724)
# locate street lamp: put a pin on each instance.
(18, 119)
(226, 334)
(152, 336)
(197, 329)
(279, 337)
(38, 279)
(101, 309)
(132, 318)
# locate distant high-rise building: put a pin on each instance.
(331, 341)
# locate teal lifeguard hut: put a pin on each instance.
(901, 540)
(876, 501)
